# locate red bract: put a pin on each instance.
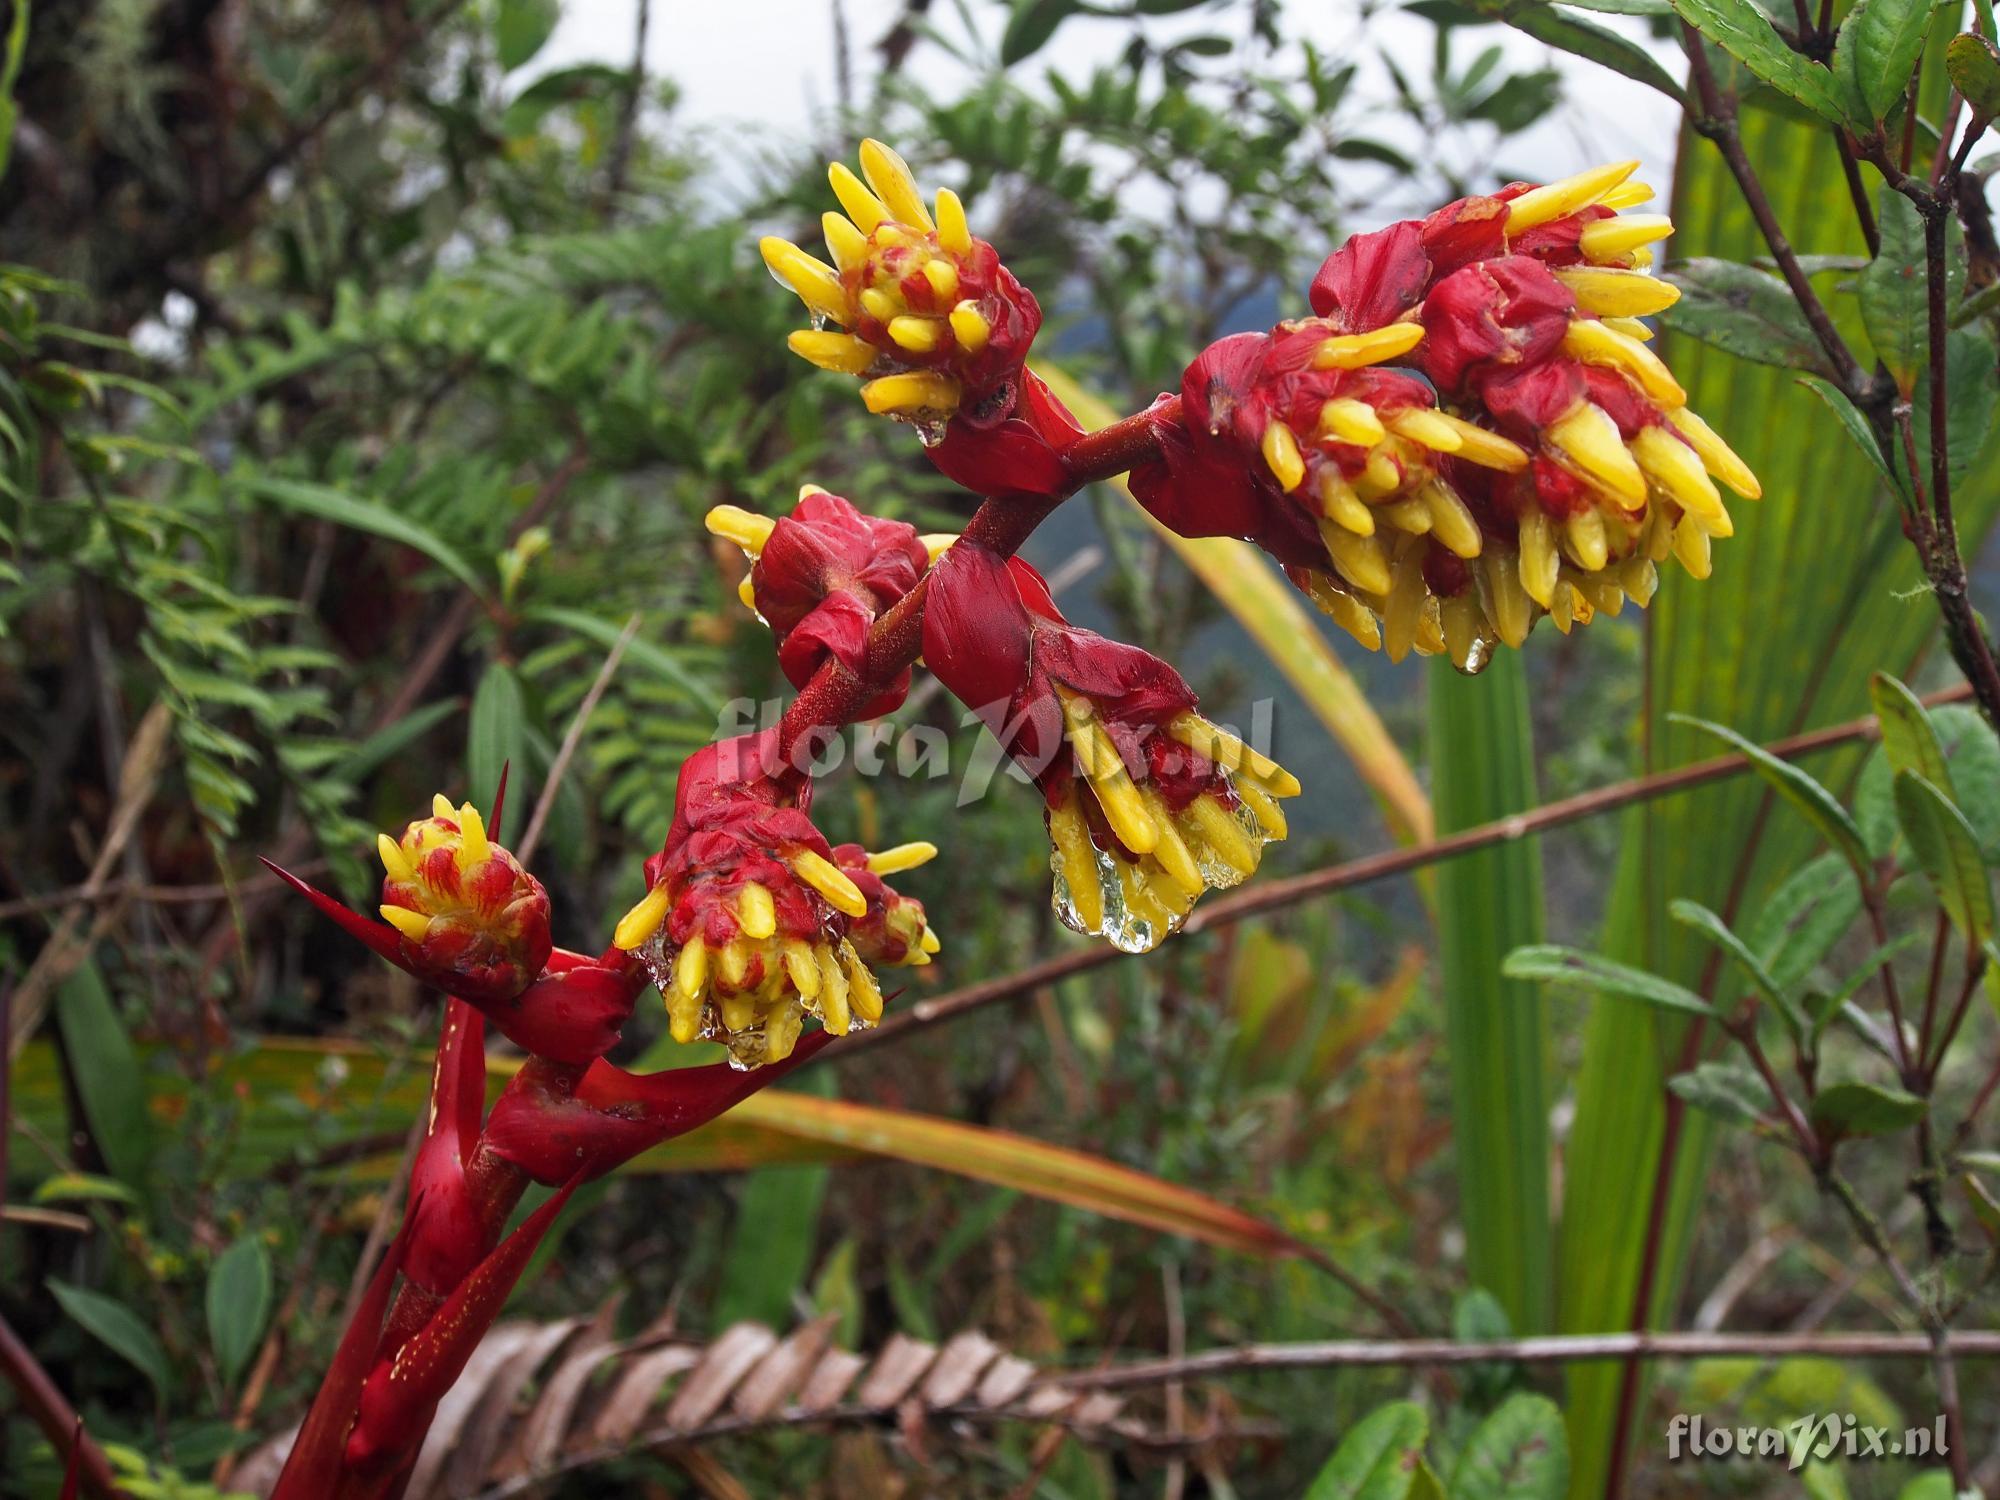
(821, 577)
(1148, 803)
(744, 925)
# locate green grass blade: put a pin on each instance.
(1488, 904)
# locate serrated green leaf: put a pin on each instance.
(1745, 311)
(1947, 850)
(1852, 1108)
(1877, 50)
(1819, 806)
(1377, 1458)
(1520, 1452)
(118, 1328)
(1742, 30)
(239, 1304)
(1553, 964)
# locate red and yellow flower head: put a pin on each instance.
(1148, 803)
(472, 921)
(822, 576)
(1555, 465)
(745, 925)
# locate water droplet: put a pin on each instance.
(1476, 658)
(819, 320)
(930, 431)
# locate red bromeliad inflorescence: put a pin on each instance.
(1469, 432)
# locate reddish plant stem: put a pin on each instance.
(50, 1410)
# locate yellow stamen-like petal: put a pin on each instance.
(732, 968)
(1508, 605)
(1100, 762)
(1716, 456)
(441, 807)
(862, 206)
(840, 352)
(1485, 447)
(1691, 547)
(1403, 610)
(824, 876)
(1640, 579)
(1351, 351)
(683, 1015)
(1069, 837)
(1632, 328)
(1462, 623)
(413, 925)
(691, 968)
(880, 305)
(1351, 421)
(816, 283)
(1627, 195)
(1232, 754)
(1408, 514)
(1346, 611)
(863, 993)
(1341, 505)
(394, 860)
(929, 942)
(757, 911)
(473, 846)
(1171, 853)
(896, 185)
(643, 920)
(902, 857)
(833, 1011)
(1451, 520)
(1382, 475)
(1540, 562)
(1676, 468)
(1608, 239)
(746, 592)
(1263, 807)
(969, 327)
(746, 528)
(918, 335)
(1588, 439)
(953, 233)
(943, 277)
(802, 968)
(937, 543)
(1593, 343)
(1143, 901)
(1281, 452)
(1426, 428)
(1604, 292)
(847, 245)
(1539, 205)
(1587, 541)
(911, 392)
(1215, 827)
(1358, 559)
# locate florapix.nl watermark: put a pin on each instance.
(1826, 1435)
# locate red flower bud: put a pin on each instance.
(1148, 803)
(821, 577)
(928, 311)
(744, 926)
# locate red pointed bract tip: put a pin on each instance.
(1149, 804)
(746, 918)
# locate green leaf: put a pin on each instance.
(1711, 926)
(1804, 918)
(1948, 852)
(1742, 30)
(1936, 1484)
(1586, 39)
(1855, 1108)
(1496, 1029)
(239, 1304)
(1729, 1091)
(1814, 802)
(522, 27)
(497, 734)
(1893, 305)
(1823, 1482)
(1552, 964)
(1377, 1459)
(1854, 425)
(1745, 311)
(1030, 27)
(10, 72)
(1908, 740)
(118, 1328)
(1877, 51)
(1972, 392)
(351, 511)
(640, 651)
(1520, 1452)
(79, 1187)
(1973, 64)
(110, 1083)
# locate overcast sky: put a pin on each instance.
(766, 67)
